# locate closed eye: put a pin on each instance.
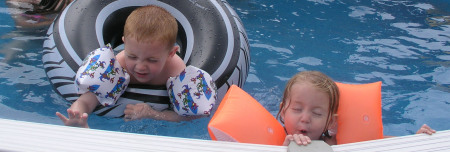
(317, 114)
(297, 109)
(132, 57)
(152, 60)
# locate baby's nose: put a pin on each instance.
(140, 66)
(305, 118)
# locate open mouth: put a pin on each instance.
(140, 74)
(303, 132)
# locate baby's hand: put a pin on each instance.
(75, 118)
(426, 129)
(137, 111)
(298, 138)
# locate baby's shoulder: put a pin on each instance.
(176, 66)
(120, 57)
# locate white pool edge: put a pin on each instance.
(28, 136)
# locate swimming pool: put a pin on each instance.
(404, 44)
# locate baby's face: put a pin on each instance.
(307, 112)
(145, 61)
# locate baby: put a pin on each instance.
(149, 58)
(309, 109)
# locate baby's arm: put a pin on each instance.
(298, 138)
(144, 111)
(79, 111)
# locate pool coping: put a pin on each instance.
(29, 136)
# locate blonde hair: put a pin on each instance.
(321, 82)
(151, 23)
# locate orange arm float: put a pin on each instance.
(240, 118)
(359, 112)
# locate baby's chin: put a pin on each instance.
(141, 79)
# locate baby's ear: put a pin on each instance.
(174, 50)
(282, 115)
(282, 110)
(332, 127)
(333, 122)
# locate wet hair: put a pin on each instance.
(151, 23)
(321, 82)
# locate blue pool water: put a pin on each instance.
(405, 44)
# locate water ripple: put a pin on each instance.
(388, 79)
(22, 74)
